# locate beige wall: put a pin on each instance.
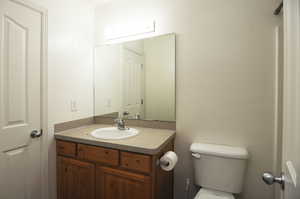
(70, 65)
(225, 75)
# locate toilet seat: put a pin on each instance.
(212, 194)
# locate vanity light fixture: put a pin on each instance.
(126, 30)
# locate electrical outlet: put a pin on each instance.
(187, 184)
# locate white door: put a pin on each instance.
(290, 166)
(133, 83)
(291, 100)
(20, 101)
(290, 161)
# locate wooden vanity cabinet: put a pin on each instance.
(92, 172)
(76, 179)
(118, 184)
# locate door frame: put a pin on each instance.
(291, 25)
(44, 91)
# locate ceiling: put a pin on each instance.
(97, 2)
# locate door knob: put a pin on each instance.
(270, 179)
(36, 134)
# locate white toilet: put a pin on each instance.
(219, 170)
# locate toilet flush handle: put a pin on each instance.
(196, 155)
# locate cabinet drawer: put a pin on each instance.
(136, 162)
(98, 154)
(66, 148)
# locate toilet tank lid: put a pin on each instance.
(219, 150)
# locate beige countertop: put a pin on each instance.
(148, 141)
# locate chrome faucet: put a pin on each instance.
(120, 124)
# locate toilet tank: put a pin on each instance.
(219, 167)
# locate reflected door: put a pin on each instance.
(20, 101)
(133, 83)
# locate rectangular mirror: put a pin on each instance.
(136, 79)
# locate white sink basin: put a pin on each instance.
(113, 133)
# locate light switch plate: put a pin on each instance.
(73, 106)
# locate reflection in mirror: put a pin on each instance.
(136, 79)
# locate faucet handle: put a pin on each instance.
(120, 121)
(117, 120)
(125, 113)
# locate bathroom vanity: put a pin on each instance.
(133, 81)
(89, 168)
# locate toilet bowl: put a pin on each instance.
(212, 194)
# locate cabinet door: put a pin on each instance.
(118, 184)
(76, 179)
